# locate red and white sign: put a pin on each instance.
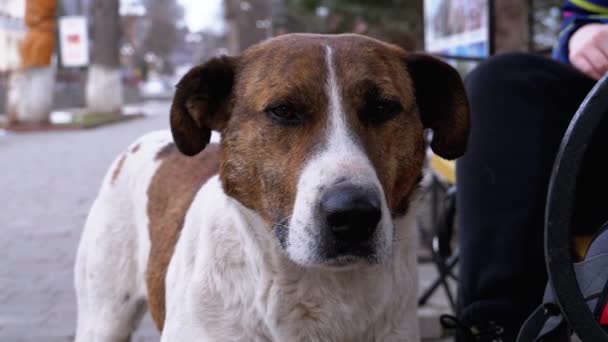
(73, 41)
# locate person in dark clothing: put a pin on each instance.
(521, 106)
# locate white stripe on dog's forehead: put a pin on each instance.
(338, 135)
(340, 159)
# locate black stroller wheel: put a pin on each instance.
(560, 204)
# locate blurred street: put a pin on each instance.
(49, 183)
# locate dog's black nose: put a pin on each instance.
(352, 213)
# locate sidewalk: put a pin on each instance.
(48, 183)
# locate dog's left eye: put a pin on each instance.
(378, 111)
(284, 114)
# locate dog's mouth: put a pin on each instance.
(343, 262)
(338, 250)
(349, 260)
(315, 245)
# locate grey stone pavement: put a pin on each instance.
(48, 181)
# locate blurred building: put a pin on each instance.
(12, 31)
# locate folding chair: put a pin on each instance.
(442, 191)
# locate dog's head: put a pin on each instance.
(323, 136)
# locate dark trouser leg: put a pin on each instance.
(521, 106)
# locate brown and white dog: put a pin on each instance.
(298, 226)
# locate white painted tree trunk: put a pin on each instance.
(104, 90)
(104, 84)
(30, 95)
(12, 96)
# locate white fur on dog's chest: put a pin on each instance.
(228, 280)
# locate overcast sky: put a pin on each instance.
(205, 15)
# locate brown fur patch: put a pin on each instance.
(118, 168)
(170, 194)
(261, 159)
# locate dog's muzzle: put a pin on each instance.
(352, 214)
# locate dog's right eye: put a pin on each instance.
(284, 114)
(378, 111)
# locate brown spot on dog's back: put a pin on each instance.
(135, 148)
(170, 194)
(118, 168)
(166, 151)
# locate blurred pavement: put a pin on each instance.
(48, 182)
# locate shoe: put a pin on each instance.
(486, 332)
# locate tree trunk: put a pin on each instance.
(249, 23)
(511, 25)
(104, 84)
(31, 88)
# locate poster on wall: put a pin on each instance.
(457, 28)
(73, 41)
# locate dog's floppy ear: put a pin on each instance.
(442, 103)
(201, 103)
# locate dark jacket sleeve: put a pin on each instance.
(577, 13)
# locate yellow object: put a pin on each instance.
(591, 7)
(580, 246)
(445, 168)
